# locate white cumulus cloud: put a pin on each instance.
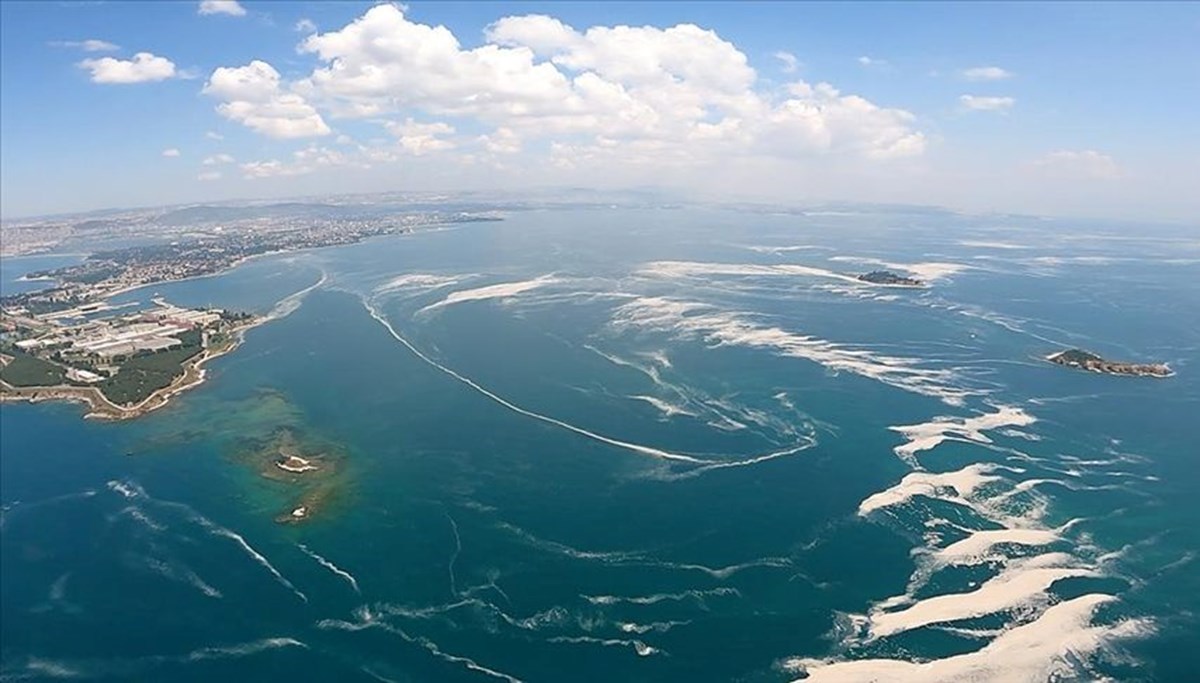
(218, 159)
(170, 153)
(1087, 163)
(788, 63)
(144, 67)
(986, 103)
(677, 92)
(501, 141)
(422, 138)
(209, 176)
(303, 161)
(986, 73)
(253, 96)
(89, 45)
(229, 7)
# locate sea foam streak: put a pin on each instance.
(726, 572)
(466, 662)
(1020, 589)
(177, 571)
(642, 649)
(9, 510)
(927, 435)
(717, 412)
(1047, 649)
(243, 649)
(131, 489)
(138, 515)
(422, 281)
(977, 546)
(611, 556)
(691, 402)
(331, 567)
(957, 486)
(1023, 582)
(667, 408)
(735, 329)
(697, 595)
(992, 244)
(764, 249)
(218, 530)
(127, 489)
(288, 305)
(655, 627)
(454, 556)
(136, 669)
(679, 269)
(634, 447)
(637, 448)
(497, 291)
(635, 558)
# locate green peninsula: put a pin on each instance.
(121, 365)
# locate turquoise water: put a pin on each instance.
(643, 445)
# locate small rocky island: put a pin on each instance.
(306, 468)
(1085, 360)
(887, 277)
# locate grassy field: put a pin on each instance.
(29, 371)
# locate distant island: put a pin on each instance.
(1085, 360)
(887, 277)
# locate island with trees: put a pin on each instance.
(1085, 360)
(888, 278)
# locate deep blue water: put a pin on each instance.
(643, 445)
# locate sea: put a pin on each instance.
(642, 444)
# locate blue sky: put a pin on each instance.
(1074, 108)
